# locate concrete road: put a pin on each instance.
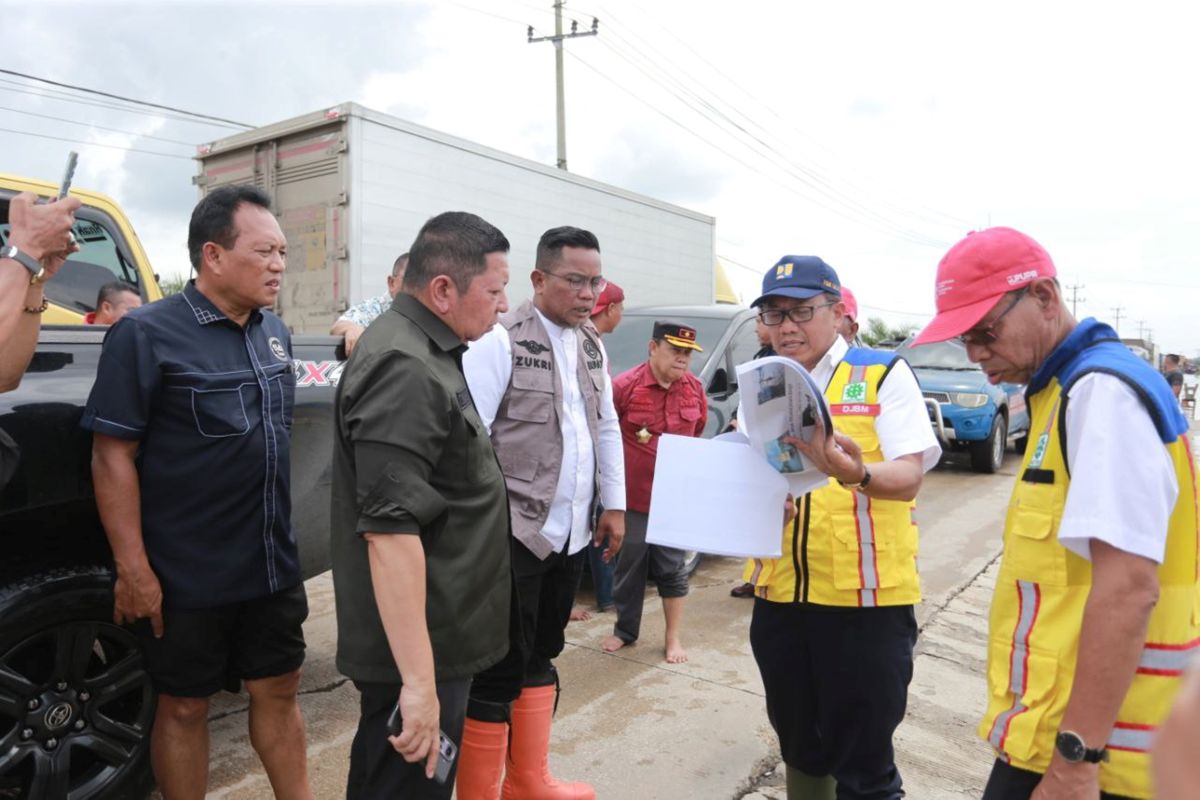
(636, 727)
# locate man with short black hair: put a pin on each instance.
(420, 519)
(355, 319)
(114, 300)
(191, 417)
(1173, 373)
(540, 381)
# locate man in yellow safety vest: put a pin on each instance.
(1096, 609)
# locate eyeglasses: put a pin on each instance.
(986, 336)
(775, 316)
(577, 281)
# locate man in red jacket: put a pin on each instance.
(656, 397)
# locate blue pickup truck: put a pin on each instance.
(966, 411)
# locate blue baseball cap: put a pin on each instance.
(800, 277)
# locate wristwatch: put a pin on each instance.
(1071, 746)
(25, 260)
(862, 484)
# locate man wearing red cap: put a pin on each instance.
(848, 329)
(833, 627)
(609, 308)
(1094, 615)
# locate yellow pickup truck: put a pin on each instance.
(109, 251)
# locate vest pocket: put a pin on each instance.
(1032, 551)
(219, 412)
(864, 557)
(530, 405)
(1022, 688)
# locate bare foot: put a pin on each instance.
(675, 652)
(611, 644)
(580, 614)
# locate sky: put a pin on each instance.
(873, 134)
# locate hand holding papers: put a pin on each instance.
(724, 495)
(781, 402)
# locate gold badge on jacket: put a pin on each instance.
(643, 436)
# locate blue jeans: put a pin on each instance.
(602, 574)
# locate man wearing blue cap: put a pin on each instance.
(833, 627)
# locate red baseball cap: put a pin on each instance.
(850, 302)
(611, 294)
(976, 273)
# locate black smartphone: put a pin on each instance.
(447, 749)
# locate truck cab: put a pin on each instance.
(109, 250)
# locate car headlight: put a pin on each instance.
(968, 399)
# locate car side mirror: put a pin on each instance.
(719, 385)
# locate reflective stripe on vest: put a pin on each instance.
(868, 567)
(1029, 597)
(1131, 737)
(1167, 659)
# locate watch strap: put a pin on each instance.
(24, 259)
(862, 484)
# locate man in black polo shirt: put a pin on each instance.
(191, 412)
(420, 535)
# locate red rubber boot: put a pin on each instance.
(528, 776)
(481, 760)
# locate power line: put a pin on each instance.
(96, 144)
(938, 217)
(848, 213)
(110, 95)
(64, 97)
(807, 176)
(98, 127)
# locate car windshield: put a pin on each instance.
(626, 346)
(941, 355)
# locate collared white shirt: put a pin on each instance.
(903, 422)
(488, 367)
(1123, 487)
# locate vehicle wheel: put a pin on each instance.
(76, 705)
(691, 561)
(987, 456)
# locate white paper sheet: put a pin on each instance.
(717, 497)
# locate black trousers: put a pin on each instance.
(544, 592)
(376, 769)
(1013, 783)
(836, 681)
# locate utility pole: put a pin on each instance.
(1117, 313)
(1141, 323)
(558, 38)
(1075, 298)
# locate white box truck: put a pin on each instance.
(353, 186)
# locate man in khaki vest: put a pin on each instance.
(540, 382)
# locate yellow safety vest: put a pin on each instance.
(1037, 612)
(844, 548)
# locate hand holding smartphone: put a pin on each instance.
(447, 750)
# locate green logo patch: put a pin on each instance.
(855, 392)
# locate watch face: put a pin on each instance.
(1071, 746)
